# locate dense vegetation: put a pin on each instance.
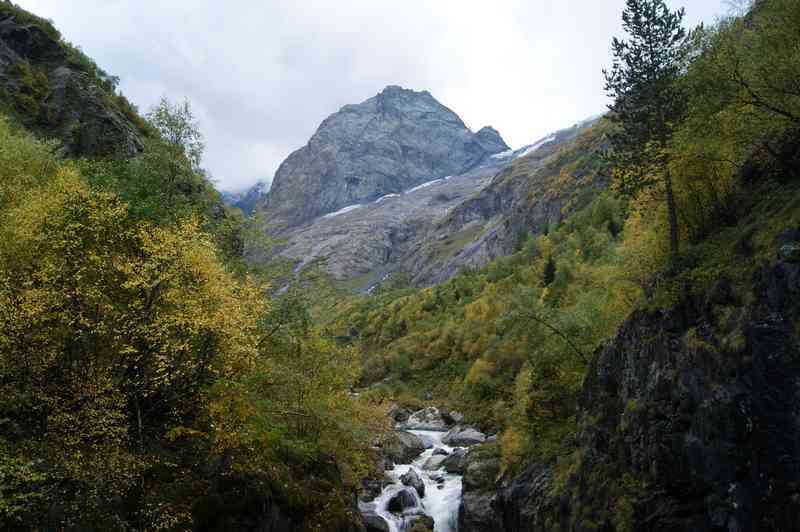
(510, 343)
(147, 381)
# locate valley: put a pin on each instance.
(413, 327)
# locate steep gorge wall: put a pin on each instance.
(690, 420)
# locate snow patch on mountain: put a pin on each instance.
(342, 211)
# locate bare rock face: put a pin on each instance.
(385, 145)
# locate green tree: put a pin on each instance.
(549, 271)
(648, 103)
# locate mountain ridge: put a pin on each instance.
(386, 144)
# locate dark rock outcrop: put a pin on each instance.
(402, 501)
(478, 500)
(385, 145)
(456, 463)
(56, 96)
(374, 523)
(690, 420)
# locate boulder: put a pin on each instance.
(440, 452)
(433, 463)
(398, 414)
(402, 447)
(477, 514)
(403, 500)
(452, 417)
(463, 437)
(456, 462)
(481, 469)
(426, 419)
(412, 480)
(374, 523)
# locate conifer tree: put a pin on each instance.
(648, 102)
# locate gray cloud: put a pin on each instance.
(261, 75)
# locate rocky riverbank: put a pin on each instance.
(425, 459)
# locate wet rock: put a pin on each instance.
(413, 480)
(440, 452)
(402, 501)
(374, 523)
(433, 463)
(463, 437)
(402, 447)
(426, 419)
(456, 462)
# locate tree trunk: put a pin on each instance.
(139, 422)
(672, 214)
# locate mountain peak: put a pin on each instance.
(491, 140)
(389, 143)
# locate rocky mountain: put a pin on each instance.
(246, 200)
(386, 145)
(55, 90)
(430, 230)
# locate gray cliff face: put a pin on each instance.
(428, 232)
(387, 144)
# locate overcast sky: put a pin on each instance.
(262, 74)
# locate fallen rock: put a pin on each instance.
(456, 462)
(426, 419)
(403, 500)
(463, 437)
(433, 463)
(402, 447)
(374, 523)
(412, 480)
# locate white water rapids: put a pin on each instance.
(441, 500)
